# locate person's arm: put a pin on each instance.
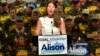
(38, 28)
(92, 36)
(62, 27)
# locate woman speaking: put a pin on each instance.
(51, 23)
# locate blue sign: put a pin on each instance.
(78, 49)
(52, 45)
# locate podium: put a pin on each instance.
(52, 45)
(59, 45)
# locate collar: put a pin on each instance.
(13, 19)
(20, 31)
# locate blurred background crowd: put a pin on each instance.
(18, 22)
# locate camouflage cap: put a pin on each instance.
(96, 16)
(19, 16)
(68, 17)
(31, 4)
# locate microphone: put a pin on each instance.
(52, 27)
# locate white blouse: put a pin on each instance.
(48, 27)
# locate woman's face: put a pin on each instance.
(21, 40)
(29, 10)
(50, 9)
(95, 24)
(59, 2)
(35, 16)
(13, 13)
(85, 17)
(19, 24)
(75, 35)
(69, 23)
(76, 6)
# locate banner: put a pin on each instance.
(78, 49)
(52, 45)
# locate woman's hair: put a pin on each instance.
(56, 16)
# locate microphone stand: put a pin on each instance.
(52, 27)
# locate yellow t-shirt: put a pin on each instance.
(1, 54)
(97, 52)
(22, 53)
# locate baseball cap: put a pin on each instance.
(95, 17)
(31, 4)
(68, 17)
(19, 16)
(85, 11)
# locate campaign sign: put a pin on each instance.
(52, 45)
(78, 49)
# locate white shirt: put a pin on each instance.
(48, 27)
